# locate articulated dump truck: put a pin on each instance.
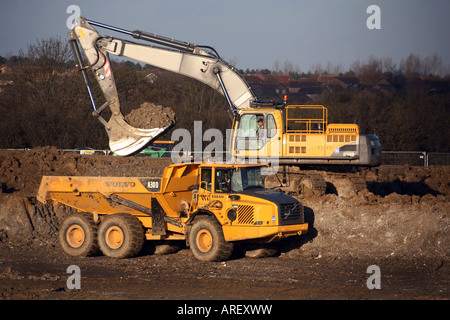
(211, 207)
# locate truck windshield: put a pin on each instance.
(246, 178)
(232, 180)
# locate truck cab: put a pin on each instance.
(237, 197)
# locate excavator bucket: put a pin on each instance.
(125, 139)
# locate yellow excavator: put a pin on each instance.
(271, 132)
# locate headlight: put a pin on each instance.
(232, 214)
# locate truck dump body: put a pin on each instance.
(92, 193)
(112, 195)
(172, 207)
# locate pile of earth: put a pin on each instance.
(21, 171)
(403, 212)
(150, 115)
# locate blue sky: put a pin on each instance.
(252, 33)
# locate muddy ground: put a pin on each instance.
(400, 224)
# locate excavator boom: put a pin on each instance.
(184, 58)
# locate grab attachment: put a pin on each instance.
(124, 139)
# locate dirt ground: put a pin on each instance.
(400, 224)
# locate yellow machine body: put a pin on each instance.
(301, 134)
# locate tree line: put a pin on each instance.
(43, 101)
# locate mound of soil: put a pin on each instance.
(150, 115)
(21, 171)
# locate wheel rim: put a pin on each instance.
(75, 236)
(114, 237)
(204, 240)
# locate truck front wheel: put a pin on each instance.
(207, 242)
(78, 235)
(121, 236)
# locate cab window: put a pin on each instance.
(223, 180)
(271, 126)
(250, 134)
(248, 125)
(206, 179)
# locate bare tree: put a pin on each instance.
(51, 54)
(288, 67)
(276, 68)
(411, 66)
(388, 64)
(433, 65)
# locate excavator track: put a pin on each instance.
(314, 182)
(311, 182)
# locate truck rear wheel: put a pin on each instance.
(78, 235)
(121, 236)
(207, 241)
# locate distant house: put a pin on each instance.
(352, 83)
(427, 85)
(4, 69)
(254, 79)
(280, 78)
(306, 94)
(334, 87)
(383, 85)
(383, 82)
(5, 77)
(435, 84)
(302, 98)
(325, 78)
(281, 89)
(269, 84)
(336, 82)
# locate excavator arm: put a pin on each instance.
(173, 55)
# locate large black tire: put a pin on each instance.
(78, 235)
(207, 242)
(121, 236)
